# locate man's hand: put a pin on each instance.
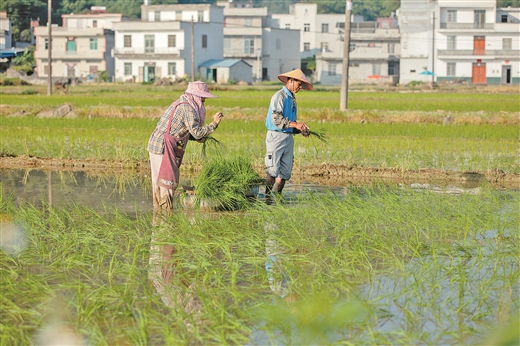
(217, 117)
(304, 129)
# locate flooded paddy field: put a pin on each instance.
(85, 259)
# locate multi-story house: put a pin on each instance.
(81, 48)
(248, 36)
(373, 57)
(374, 45)
(160, 44)
(318, 32)
(459, 40)
(5, 32)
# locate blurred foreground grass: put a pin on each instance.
(368, 266)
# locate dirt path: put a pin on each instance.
(324, 174)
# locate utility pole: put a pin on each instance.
(433, 47)
(192, 50)
(346, 52)
(49, 46)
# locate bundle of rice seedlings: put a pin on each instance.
(213, 143)
(319, 135)
(225, 182)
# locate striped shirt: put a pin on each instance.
(185, 122)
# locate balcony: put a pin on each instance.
(467, 26)
(503, 53)
(74, 55)
(146, 52)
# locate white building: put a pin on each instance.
(460, 40)
(81, 48)
(318, 32)
(160, 44)
(5, 32)
(373, 57)
(248, 36)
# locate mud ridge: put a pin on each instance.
(323, 174)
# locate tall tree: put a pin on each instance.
(505, 3)
(21, 12)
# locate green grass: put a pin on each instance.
(406, 146)
(259, 98)
(378, 265)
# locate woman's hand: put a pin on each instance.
(217, 117)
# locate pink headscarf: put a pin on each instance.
(196, 103)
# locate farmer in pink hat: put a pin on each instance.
(183, 120)
(282, 124)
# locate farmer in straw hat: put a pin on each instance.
(183, 120)
(282, 124)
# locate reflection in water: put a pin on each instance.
(175, 291)
(276, 256)
(128, 193)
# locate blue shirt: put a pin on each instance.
(282, 110)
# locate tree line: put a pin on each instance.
(21, 12)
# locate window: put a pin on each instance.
(324, 27)
(332, 69)
(227, 43)
(452, 16)
(306, 27)
(248, 22)
(353, 64)
(287, 26)
(450, 69)
(391, 69)
(149, 43)
(200, 16)
(127, 41)
(391, 48)
(412, 71)
(507, 43)
(157, 16)
(324, 46)
(376, 69)
(249, 45)
(204, 41)
(340, 25)
(385, 25)
(71, 46)
(128, 68)
(405, 45)
(94, 23)
(278, 43)
(352, 47)
(306, 46)
(46, 69)
(480, 19)
(172, 68)
(172, 41)
(46, 44)
(503, 18)
(93, 44)
(452, 42)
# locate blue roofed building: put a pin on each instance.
(226, 70)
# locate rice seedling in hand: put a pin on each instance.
(214, 143)
(319, 135)
(226, 181)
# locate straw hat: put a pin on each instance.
(298, 75)
(200, 89)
